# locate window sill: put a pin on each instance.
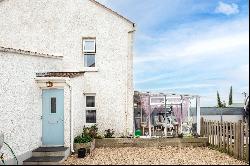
(90, 124)
(90, 69)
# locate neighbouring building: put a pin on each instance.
(63, 64)
(228, 114)
(237, 105)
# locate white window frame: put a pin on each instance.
(151, 103)
(88, 40)
(89, 108)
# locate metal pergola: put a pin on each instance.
(165, 104)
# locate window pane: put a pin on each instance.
(90, 101)
(91, 116)
(157, 100)
(89, 46)
(89, 60)
(53, 105)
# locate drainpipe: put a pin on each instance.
(130, 54)
(71, 119)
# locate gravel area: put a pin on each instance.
(155, 156)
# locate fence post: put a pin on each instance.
(209, 131)
(224, 136)
(242, 140)
(235, 139)
(212, 133)
(218, 134)
(221, 135)
(238, 139)
(202, 127)
(231, 138)
(247, 142)
(227, 134)
(206, 128)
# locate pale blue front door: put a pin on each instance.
(53, 117)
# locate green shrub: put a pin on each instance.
(82, 139)
(109, 133)
(91, 131)
(88, 134)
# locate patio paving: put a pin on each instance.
(155, 156)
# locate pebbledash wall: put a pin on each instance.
(21, 99)
(57, 27)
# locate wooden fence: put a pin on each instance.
(228, 137)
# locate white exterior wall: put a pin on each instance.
(78, 105)
(57, 27)
(21, 100)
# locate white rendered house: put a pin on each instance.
(63, 64)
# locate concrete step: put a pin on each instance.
(44, 160)
(48, 156)
(50, 151)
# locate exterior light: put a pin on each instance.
(49, 84)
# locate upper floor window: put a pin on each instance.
(89, 46)
(89, 51)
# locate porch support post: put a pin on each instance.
(149, 118)
(198, 108)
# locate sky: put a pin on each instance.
(190, 46)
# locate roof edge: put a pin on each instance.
(108, 9)
(112, 11)
(26, 52)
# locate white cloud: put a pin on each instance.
(177, 53)
(192, 42)
(207, 57)
(186, 86)
(217, 44)
(151, 79)
(227, 9)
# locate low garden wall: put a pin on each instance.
(153, 142)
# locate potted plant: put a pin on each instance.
(82, 142)
(87, 139)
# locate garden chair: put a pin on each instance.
(158, 124)
(168, 126)
(187, 126)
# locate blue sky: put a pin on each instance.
(190, 46)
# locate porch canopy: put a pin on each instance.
(167, 113)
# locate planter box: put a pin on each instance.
(90, 146)
(152, 142)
